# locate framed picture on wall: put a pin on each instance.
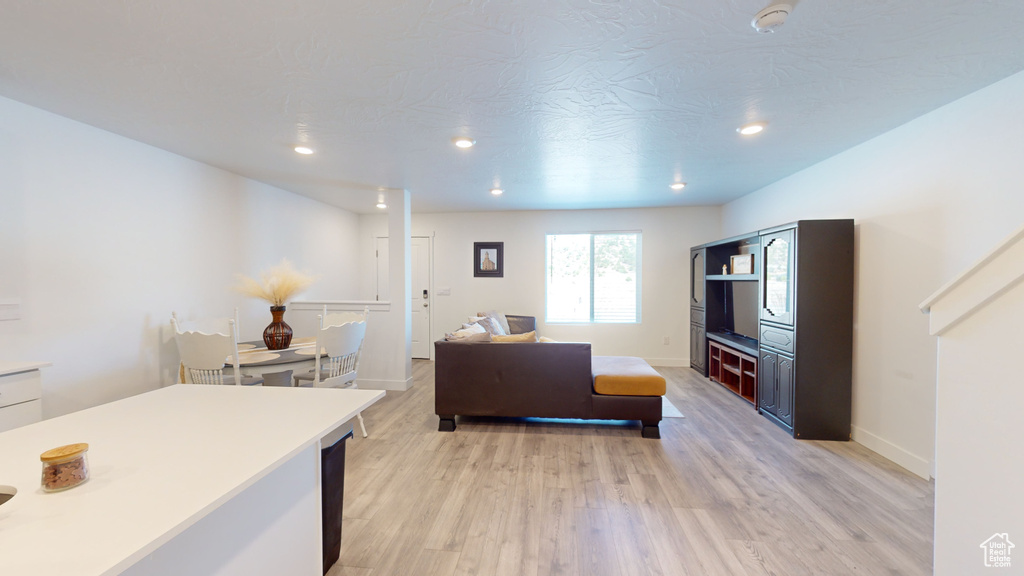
(488, 259)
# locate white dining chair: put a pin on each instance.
(338, 318)
(204, 354)
(207, 325)
(342, 345)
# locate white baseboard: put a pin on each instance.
(908, 460)
(398, 385)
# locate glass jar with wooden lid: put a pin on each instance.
(65, 467)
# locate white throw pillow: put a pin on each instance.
(481, 337)
(467, 331)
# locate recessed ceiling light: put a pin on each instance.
(463, 142)
(752, 128)
(304, 150)
(380, 202)
(497, 191)
(678, 186)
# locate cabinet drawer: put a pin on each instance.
(20, 387)
(19, 415)
(778, 338)
(696, 316)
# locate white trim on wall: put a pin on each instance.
(898, 455)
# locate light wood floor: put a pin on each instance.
(723, 492)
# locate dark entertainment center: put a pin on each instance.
(771, 319)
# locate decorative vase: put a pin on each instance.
(278, 335)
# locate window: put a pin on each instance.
(593, 277)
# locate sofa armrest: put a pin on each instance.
(546, 380)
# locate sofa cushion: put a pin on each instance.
(498, 317)
(489, 324)
(626, 376)
(520, 324)
(466, 331)
(525, 337)
(479, 337)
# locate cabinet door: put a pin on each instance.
(697, 277)
(778, 276)
(786, 374)
(18, 415)
(698, 348)
(767, 382)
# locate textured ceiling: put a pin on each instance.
(573, 103)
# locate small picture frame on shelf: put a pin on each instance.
(742, 264)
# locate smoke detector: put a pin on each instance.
(770, 18)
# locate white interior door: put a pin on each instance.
(421, 266)
(420, 297)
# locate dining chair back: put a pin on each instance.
(203, 354)
(339, 318)
(340, 345)
(208, 325)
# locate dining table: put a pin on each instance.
(274, 366)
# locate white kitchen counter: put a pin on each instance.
(160, 463)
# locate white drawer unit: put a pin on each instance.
(19, 415)
(21, 391)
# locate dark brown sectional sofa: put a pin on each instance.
(528, 379)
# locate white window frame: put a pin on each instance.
(639, 275)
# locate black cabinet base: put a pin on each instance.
(446, 423)
(841, 435)
(774, 420)
(332, 480)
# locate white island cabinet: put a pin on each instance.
(183, 480)
(21, 391)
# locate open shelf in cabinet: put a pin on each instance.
(734, 370)
(721, 254)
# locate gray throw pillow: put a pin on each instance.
(491, 326)
(502, 321)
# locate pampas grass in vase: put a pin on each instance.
(277, 286)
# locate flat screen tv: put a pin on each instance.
(742, 309)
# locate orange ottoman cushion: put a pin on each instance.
(625, 376)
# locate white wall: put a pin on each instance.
(668, 234)
(978, 471)
(977, 318)
(102, 237)
(929, 198)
